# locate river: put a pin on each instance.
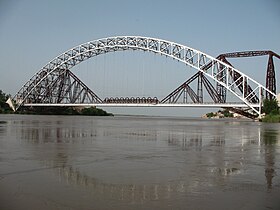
(129, 162)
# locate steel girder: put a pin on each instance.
(270, 77)
(189, 56)
(61, 86)
(185, 90)
(270, 72)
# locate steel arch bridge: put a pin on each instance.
(56, 85)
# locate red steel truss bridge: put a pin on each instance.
(56, 85)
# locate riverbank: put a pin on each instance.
(91, 111)
(222, 114)
(271, 118)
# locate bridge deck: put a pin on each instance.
(202, 105)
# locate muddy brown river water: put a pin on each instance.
(127, 162)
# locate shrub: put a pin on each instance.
(271, 118)
(270, 106)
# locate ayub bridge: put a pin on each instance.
(56, 85)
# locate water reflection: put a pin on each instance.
(68, 135)
(205, 155)
(270, 139)
(133, 192)
(54, 135)
(2, 128)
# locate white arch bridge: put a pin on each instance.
(56, 85)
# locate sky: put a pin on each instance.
(33, 32)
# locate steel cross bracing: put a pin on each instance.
(270, 72)
(186, 91)
(62, 87)
(219, 71)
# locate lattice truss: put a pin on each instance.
(52, 83)
(61, 86)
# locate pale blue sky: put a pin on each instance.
(32, 32)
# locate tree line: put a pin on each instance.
(271, 110)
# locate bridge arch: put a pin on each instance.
(217, 70)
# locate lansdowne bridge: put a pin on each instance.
(56, 85)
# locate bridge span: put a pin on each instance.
(55, 85)
(201, 105)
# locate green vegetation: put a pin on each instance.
(271, 109)
(4, 108)
(211, 114)
(220, 114)
(226, 113)
(91, 111)
(271, 118)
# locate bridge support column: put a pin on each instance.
(270, 78)
(199, 88)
